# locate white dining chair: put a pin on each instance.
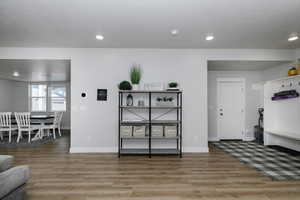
(5, 125)
(23, 121)
(59, 122)
(54, 125)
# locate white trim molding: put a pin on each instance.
(195, 149)
(213, 139)
(93, 150)
(66, 128)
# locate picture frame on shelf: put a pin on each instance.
(155, 86)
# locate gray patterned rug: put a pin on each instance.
(273, 163)
(24, 142)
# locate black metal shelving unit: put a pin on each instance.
(151, 122)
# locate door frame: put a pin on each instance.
(219, 81)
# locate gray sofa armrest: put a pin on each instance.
(6, 162)
(13, 178)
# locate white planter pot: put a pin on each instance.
(135, 86)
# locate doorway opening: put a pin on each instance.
(236, 94)
(39, 89)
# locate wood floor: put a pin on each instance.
(56, 174)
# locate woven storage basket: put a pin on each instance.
(157, 131)
(126, 131)
(170, 131)
(139, 131)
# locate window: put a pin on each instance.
(48, 98)
(58, 101)
(38, 98)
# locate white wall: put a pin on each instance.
(66, 120)
(281, 70)
(6, 95)
(276, 72)
(253, 100)
(12, 96)
(297, 54)
(94, 124)
(105, 69)
(20, 96)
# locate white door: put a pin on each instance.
(231, 108)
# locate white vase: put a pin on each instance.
(135, 86)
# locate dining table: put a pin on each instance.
(37, 119)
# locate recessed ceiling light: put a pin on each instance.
(16, 74)
(174, 32)
(293, 37)
(209, 37)
(99, 37)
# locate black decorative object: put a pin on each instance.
(129, 100)
(102, 94)
(125, 85)
(83, 95)
(259, 129)
(164, 101)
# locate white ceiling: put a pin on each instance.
(236, 65)
(35, 70)
(147, 23)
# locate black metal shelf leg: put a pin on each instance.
(119, 149)
(180, 125)
(150, 124)
(177, 118)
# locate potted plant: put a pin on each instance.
(135, 76)
(125, 85)
(173, 86)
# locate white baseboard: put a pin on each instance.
(248, 139)
(93, 150)
(66, 128)
(115, 150)
(195, 149)
(213, 139)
